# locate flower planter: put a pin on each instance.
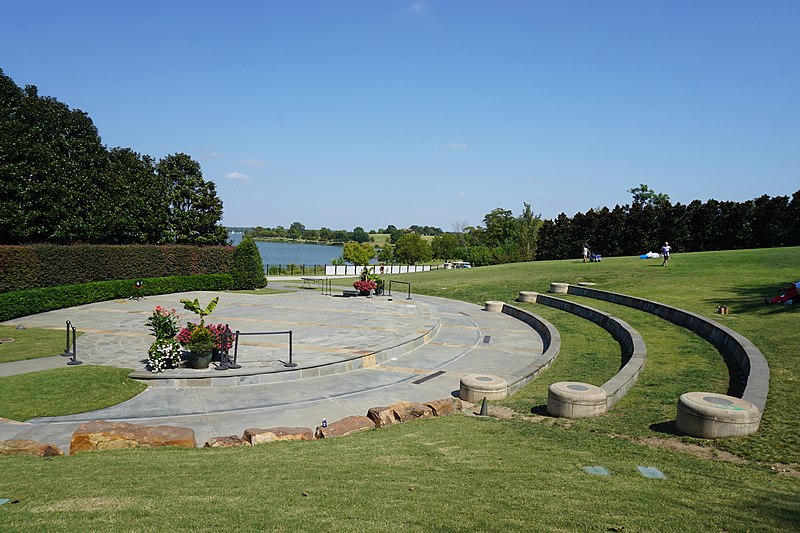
(363, 293)
(199, 359)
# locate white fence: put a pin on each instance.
(355, 270)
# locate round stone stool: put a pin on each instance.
(493, 307)
(709, 415)
(476, 387)
(559, 288)
(570, 399)
(527, 296)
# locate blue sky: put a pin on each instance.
(431, 112)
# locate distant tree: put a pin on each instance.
(247, 269)
(358, 253)
(359, 235)
(444, 246)
(528, 233)
(412, 248)
(644, 195)
(385, 254)
(195, 209)
(296, 231)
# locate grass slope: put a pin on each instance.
(450, 474)
(678, 361)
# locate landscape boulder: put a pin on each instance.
(260, 436)
(103, 435)
(28, 447)
(445, 406)
(344, 427)
(406, 411)
(231, 441)
(382, 416)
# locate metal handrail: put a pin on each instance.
(402, 283)
(238, 334)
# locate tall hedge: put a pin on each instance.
(247, 269)
(47, 265)
(31, 301)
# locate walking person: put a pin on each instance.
(665, 250)
(585, 252)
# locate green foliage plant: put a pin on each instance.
(163, 323)
(47, 265)
(247, 268)
(195, 307)
(31, 301)
(201, 341)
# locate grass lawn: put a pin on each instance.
(678, 361)
(30, 343)
(265, 290)
(65, 391)
(469, 474)
(449, 474)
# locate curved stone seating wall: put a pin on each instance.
(742, 357)
(634, 352)
(551, 346)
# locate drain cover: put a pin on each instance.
(651, 472)
(596, 470)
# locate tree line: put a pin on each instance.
(651, 219)
(59, 184)
(298, 231)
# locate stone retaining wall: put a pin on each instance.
(634, 352)
(551, 346)
(749, 369)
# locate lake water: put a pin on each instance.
(286, 253)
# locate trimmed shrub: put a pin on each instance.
(47, 265)
(247, 269)
(31, 301)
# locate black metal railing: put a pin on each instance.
(391, 281)
(73, 354)
(289, 364)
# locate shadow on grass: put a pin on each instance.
(668, 427)
(540, 410)
(750, 299)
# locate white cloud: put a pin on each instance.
(418, 7)
(415, 9)
(209, 155)
(462, 193)
(257, 163)
(237, 176)
(457, 146)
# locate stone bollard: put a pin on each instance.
(493, 307)
(570, 399)
(527, 296)
(559, 288)
(476, 387)
(710, 415)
